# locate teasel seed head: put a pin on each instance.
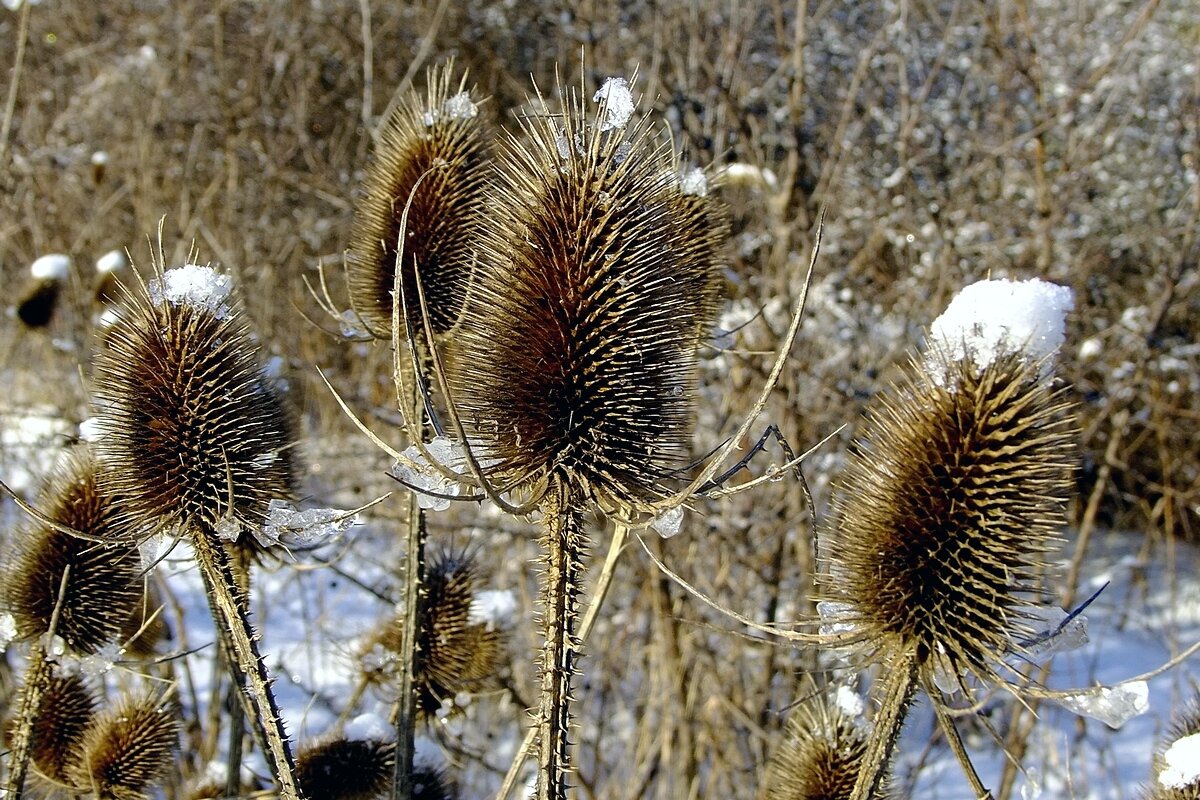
(820, 755)
(1176, 756)
(39, 297)
(66, 711)
(127, 748)
(194, 435)
(455, 652)
(346, 769)
(440, 141)
(102, 585)
(596, 281)
(950, 500)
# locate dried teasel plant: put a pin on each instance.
(127, 748)
(341, 768)
(951, 499)
(455, 652)
(821, 753)
(197, 443)
(67, 710)
(39, 297)
(67, 594)
(1176, 776)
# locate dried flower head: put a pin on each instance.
(39, 297)
(455, 652)
(598, 277)
(194, 434)
(950, 500)
(102, 586)
(1176, 770)
(127, 748)
(820, 755)
(67, 709)
(440, 141)
(346, 769)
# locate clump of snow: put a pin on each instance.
(667, 523)
(693, 182)
(416, 472)
(54, 645)
(369, 728)
(228, 528)
(616, 101)
(836, 617)
(460, 106)
(289, 526)
(99, 158)
(8, 630)
(494, 608)
(993, 318)
(1112, 705)
(193, 285)
(13, 5)
(51, 267)
(1181, 763)
(848, 701)
(740, 173)
(112, 261)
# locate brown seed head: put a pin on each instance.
(102, 585)
(346, 769)
(1185, 723)
(946, 508)
(194, 433)
(820, 755)
(596, 281)
(127, 748)
(66, 711)
(440, 140)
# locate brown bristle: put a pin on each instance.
(454, 654)
(1186, 722)
(146, 625)
(820, 755)
(577, 357)
(346, 769)
(949, 501)
(102, 586)
(439, 140)
(38, 301)
(194, 434)
(127, 748)
(66, 711)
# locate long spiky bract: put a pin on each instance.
(575, 361)
(820, 756)
(951, 498)
(197, 444)
(127, 748)
(437, 140)
(80, 591)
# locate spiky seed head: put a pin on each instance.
(439, 140)
(1186, 723)
(950, 499)
(193, 433)
(454, 653)
(66, 711)
(346, 769)
(577, 357)
(820, 755)
(102, 583)
(127, 748)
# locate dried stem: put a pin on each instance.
(413, 576)
(899, 685)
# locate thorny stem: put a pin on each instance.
(899, 684)
(229, 612)
(237, 717)
(946, 722)
(564, 542)
(413, 575)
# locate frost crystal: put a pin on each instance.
(992, 318)
(193, 285)
(836, 617)
(1181, 763)
(617, 102)
(228, 529)
(667, 524)
(52, 267)
(460, 106)
(99, 663)
(1112, 705)
(152, 549)
(351, 326)
(693, 182)
(288, 526)
(849, 702)
(8, 630)
(493, 608)
(112, 261)
(424, 478)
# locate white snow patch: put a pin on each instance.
(13, 5)
(369, 728)
(99, 158)
(460, 106)
(1181, 763)
(992, 318)
(849, 702)
(193, 285)
(112, 261)
(51, 267)
(1112, 705)
(667, 524)
(739, 172)
(616, 101)
(494, 608)
(693, 182)
(8, 630)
